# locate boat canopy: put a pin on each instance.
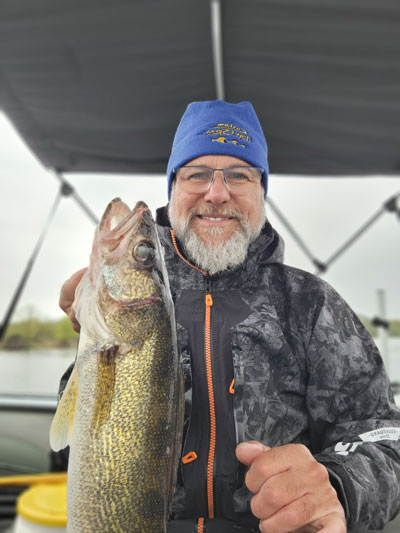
(99, 86)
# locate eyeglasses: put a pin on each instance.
(199, 179)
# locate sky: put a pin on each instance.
(325, 212)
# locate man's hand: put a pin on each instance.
(292, 492)
(67, 296)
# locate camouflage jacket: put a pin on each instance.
(291, 363)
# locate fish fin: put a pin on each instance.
(104, 388)
(62, 425)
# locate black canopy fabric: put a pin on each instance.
(99, 86)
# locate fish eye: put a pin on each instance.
(144, 253)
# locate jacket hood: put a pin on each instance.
(267, 248)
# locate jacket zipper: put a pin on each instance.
(211, 402)
(210, 386)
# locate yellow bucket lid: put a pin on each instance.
(44, 504)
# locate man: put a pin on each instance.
(274, 359)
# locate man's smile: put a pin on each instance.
(215, 218)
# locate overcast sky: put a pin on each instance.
(325, 212)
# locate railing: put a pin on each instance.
(28, 402)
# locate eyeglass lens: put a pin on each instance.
(199, 179)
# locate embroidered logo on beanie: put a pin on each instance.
(229, 130)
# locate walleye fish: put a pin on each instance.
(122, 409)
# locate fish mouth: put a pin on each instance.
(118, 222)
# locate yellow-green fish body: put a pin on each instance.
(121, 412)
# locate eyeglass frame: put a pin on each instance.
(175, 170)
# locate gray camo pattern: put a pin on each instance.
(306, 371)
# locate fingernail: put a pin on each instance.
(253, 444)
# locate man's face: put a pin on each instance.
(217, 219)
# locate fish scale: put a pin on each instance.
(128, 415)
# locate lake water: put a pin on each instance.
(33, 371)
(39, 371)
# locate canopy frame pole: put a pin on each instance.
(217, 47)
(68, 190)
(65, 190)
(293, 232)
(390, 205)
(28, 268)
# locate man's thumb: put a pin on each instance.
(246, 452)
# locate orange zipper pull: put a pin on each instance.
(209, 300)
(189, 457)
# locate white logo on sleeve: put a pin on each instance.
(344, 448)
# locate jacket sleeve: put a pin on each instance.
(59, 460)
(354, 423)
(64, 380)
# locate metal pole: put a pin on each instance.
(68, 190)
(216, 34)
(28, 268)
(354, 237)
(65, 190)
(292, 232)
(390, 205)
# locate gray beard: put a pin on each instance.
(215, 257)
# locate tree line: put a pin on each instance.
(34, 332)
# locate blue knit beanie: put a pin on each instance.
(217, 127)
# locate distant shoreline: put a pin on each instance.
(37, 334)
(39, 347)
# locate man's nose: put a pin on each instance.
(218, 192)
